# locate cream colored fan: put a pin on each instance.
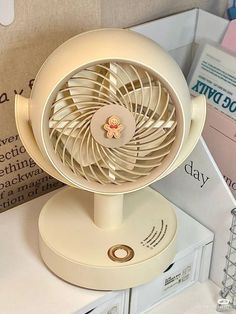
(110, 113)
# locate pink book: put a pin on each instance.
(213, 74)
(220, 136)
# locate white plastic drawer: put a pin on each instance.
(183, 273)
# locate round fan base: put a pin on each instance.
(80, 252)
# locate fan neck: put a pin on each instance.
(108, 210)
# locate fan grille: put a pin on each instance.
(119, 84)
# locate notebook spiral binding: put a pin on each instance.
(228, 291)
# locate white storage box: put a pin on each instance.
(179, 33)
(212, 204)
(191, 264)
(117, 304)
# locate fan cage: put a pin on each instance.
(123, 84)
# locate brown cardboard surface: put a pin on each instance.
(39, 27)
(125, 13)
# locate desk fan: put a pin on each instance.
(109, 113)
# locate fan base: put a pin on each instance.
(79, 252)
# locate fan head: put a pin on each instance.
(99, 75)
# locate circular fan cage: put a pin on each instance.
(146, 101)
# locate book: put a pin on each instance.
(213, 74)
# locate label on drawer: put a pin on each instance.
(178, 277)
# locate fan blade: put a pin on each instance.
(126, 75)
(83, 156)
(62, 107)
(84, 85)
(149, 103)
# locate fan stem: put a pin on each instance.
(108, 210)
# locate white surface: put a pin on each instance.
(215, 25)
(201, 298)
(7, 13)
(26, 285)
(191, 29)
(176, 40)
(168, 32)
(191, 234)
